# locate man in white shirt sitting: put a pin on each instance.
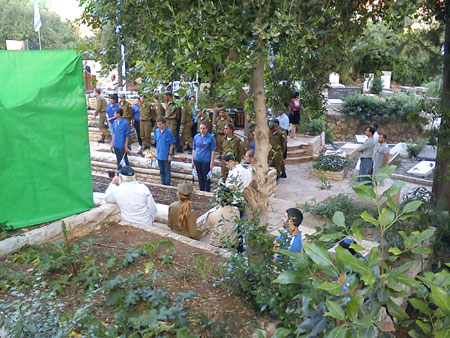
(238, 177)
(135, 200)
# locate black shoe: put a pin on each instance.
(283, 175)
(101, 140)
(190, 151)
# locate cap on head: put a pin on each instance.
(126, 171)
(229, 156)
(185, 188)
(121, 95)
(271, 125)
(252, 124)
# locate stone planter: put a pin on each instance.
(331, 175)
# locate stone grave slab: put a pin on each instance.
(360, 138)
(428, 153)
(339, 93)
(422, 169)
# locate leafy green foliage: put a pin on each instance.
(331, 163)
(415, 147)
(367, 109)
(377, 85)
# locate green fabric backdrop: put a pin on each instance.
(45, 168)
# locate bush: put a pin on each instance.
(377, 85)
(316, 127)
(331, 163)
(415, 147)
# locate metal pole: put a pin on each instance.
(39, 34)
(124, 79)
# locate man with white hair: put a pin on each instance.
(135, 200)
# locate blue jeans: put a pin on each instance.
(164, 172)
(366, 168)
(203, 170)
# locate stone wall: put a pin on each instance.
(345, 127)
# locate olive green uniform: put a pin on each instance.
(159, 109)
(101, 110)
(146, 124)
(191, 229)
(172, 115)
(233, 145)
(250, 139)
(220, 124)
(277, 141)
(283, 132)
(186, 126)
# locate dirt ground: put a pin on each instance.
(187, 269)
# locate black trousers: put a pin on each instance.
(203, 170)
(119, 155)
(137, 126)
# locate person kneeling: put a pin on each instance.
(135, 200)
(182, 219)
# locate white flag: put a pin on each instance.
(37, 17)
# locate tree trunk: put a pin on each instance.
(258, 198)
(441, 182)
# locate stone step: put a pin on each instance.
(297, 145)
(300, 159)
(298, 153)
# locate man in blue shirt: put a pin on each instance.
(165, 143)
(203, 152)
(111, 107)
(137, 121)
(291, 239)
(120, 138)
(283, 120)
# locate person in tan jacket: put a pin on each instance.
(182, 218)
(101, 111)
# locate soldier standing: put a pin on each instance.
(173, 113)
(146, 123)
(284, 133)
(277, 141)
(127, 113)
(203, 117)
(231, 143)
(219, 123)
(101, 110)
(186, 127)
(250, 136)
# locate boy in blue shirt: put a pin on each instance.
(120, 138)
(165, 143)
(291, 239)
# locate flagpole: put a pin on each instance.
(39, 34)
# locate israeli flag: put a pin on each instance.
(37, 17)
(122, 162)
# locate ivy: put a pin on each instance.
(331, 163)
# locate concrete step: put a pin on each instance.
(300, 159)
(297, 145)
(298, 153)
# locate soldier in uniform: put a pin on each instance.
(231, 143)
(203, 117)
(182, 218)
(146, 123)
(173, 113)
(127, 113)
(250, 136)
(277, 141)
(186, 127)
(284, 132)
(158, 107)
(219, 123)
(101, 110)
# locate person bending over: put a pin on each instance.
(182, 218)
(135, 200)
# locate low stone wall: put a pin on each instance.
(345, 127)
(331, 175)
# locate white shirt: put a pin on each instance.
(135, 201)
(377, 143)
(284, 121)
(240, 178)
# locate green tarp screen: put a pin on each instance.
(45, 169)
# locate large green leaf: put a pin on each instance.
(356, 232)
(441, 299)
(393, 189)
(383, 173)
(331, 237)
(369, 218)
(386, 217)
(364, 191)
(339, 219)
(352, 308)
(391, 204)
(281, 332)
(396, 310)
(318, 255)
(411, 206)
(335, 310)
(289, 277)
(333, 288)
(420, 305)
(355, 264)
(337, 332)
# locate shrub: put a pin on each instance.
(316, 127)
(415, 147)
(367, 109)
(331, 163)
(377, 85)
